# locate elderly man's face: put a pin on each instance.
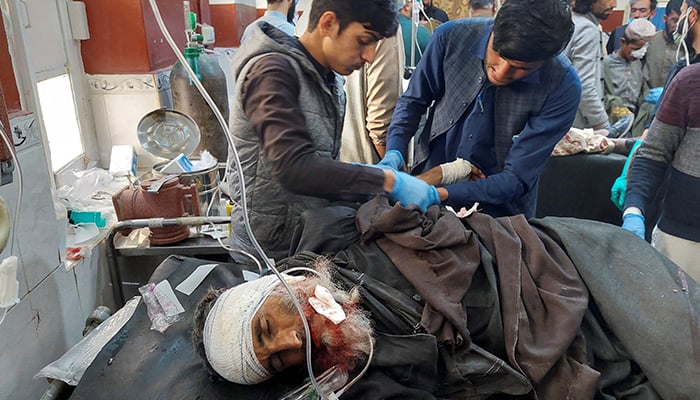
(279, 340)
(502, 71)
(603, 8)
(278, 335)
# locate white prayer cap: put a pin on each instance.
(640, 28)
(228, 335)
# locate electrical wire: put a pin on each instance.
(239, 171)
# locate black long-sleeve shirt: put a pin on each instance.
(270, 101)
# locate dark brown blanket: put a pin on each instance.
(543, 299)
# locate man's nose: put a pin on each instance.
(369, 53)
(287, 340)
(502, 71)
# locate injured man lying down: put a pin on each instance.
(441, 305)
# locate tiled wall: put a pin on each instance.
(54, 302)
(119, 102)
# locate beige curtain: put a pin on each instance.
(455, 9)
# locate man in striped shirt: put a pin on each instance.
(672, 145)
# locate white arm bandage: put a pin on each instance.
(455, 171)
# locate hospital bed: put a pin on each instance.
(141, 363)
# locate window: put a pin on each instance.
(60, 120)
(48, 66)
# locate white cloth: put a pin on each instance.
(228, 337)
(583, 140)
(685, 253)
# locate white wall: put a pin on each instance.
(54, 303)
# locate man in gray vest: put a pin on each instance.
(280, 14)
(287, 118)
(500, 96)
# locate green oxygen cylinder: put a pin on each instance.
(187, 99)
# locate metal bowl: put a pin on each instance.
(167, 133)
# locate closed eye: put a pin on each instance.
(259, 331)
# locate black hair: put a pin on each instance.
(380, 16)
(583, 6)
(674, 5)
(198, 319)
(652, 4)
(532, 30)
(478, 4)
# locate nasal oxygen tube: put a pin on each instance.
(189, 16)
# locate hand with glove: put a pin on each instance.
(411, 190)
(392, 159)
(654, 95)
(634, 222)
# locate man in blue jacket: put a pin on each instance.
(500, 96)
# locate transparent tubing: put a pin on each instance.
(239, 171)
(20, 186)
(683, 34)
(15, 220)
(369, 337)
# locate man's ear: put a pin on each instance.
(651, 15)
(327, 24)
(693, 11)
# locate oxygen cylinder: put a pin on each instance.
(187, 99)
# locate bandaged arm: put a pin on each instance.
(447, 173)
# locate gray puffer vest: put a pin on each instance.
(273, 211)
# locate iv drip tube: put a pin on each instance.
(239, 171)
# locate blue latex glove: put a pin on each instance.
(634, 223)
(654, 95)
(411, 190)
(392, 159)
(617, 191)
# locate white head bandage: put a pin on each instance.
(228, 337)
